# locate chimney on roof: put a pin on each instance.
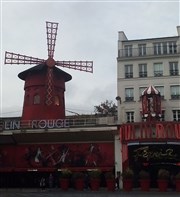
(122, 36)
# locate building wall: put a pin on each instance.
(136, 82)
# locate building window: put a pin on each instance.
(56, 100)
(175, 92)
(169, 47)
(173, 68)
(165, 48)
(130, 116)
(172, 47)
(128, 50)
(142, 70)
(36, 99)
(176, 115)
(158, 69)
(161, 90)
(157, 49)
(142, 49)
(129, 71)
(129, 94)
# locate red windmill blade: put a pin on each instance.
(86, 66)
(15, 58)
(51, 30)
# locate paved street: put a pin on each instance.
(74, 193)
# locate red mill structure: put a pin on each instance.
(42, 100)
(45, 83)
(44, 140)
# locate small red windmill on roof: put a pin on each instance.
(45, 83)
(151, 104)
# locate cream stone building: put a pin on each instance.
(145, 62)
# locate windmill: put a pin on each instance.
(151, 104)
(45, 76)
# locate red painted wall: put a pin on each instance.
(57, 155)
(36, 84)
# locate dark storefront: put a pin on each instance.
(154, 156)
(24, 165)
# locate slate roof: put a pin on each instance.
(42, 68)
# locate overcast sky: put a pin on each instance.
(88, 30)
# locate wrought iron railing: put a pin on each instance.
(122, 53)
(174, 72)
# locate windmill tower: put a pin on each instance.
(45, 83)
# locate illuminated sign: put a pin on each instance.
(147, 153)
(155, 153)
(145, 130)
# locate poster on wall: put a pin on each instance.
(57, 155)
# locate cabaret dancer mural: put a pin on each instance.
(58, 155)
